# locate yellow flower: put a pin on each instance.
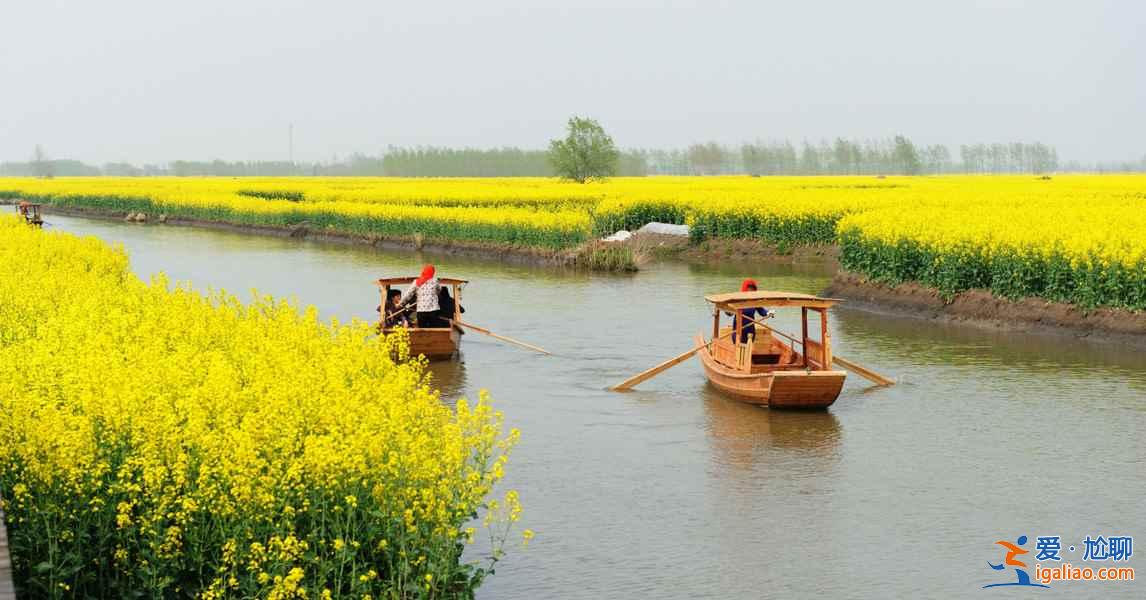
(178, 416)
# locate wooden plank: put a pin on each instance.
(804, 333)
(730, 306)
(7, 587)
(409, 280)
(765, 296)
(864, 371)
(818, 389)
(825, 338)
(653, 372)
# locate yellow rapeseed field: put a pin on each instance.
(1074, 238)
(156, 441)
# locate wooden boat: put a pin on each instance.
(31, 213)
(435, 343)
(768, 369)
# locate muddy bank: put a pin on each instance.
(756, 250)
(983, 309)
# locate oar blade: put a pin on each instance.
(863, 371)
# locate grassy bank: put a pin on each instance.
(1076, 239)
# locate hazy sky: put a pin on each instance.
(153, 81)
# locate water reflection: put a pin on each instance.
(449, 377)
(942, 348)
(821, 270)
(741, 433)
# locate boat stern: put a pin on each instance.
(805, 389)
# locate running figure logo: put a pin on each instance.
(1009, 560)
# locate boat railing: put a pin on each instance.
(814, 354)
(794, 340)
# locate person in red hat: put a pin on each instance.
(747, 327)
(426, 287)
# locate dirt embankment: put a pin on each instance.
(982, 308)
(756, 250)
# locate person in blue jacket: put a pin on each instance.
(747, 327)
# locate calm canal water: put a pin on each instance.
(674, 491)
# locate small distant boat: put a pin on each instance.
(31, 213)
(768, 369)
(435, 343)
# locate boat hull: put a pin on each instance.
(437, 343)
(794, 388)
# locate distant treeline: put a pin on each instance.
(896, 155)
(465, 162)
(1009, 158)
(891, 156)
(842, 157)
(49, 168)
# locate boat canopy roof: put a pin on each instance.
(769, 298)
(408, 280)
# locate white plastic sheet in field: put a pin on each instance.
(664, 229)
(620, 236)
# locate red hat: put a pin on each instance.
(427, 273)
(747, 284)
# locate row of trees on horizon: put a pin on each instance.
(896, 155)
(892, 156)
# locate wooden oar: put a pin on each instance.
(653, 372)
(501, 337)
(382, 321)
(863, 371)
(843, 362)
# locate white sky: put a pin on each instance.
(153, 81)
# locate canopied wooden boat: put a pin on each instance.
(31, 212)
(768, 368)
(435, 343)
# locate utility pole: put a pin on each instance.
(290, 141)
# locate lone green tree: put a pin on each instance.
(587, 152)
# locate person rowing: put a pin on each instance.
(747, 325)
(424, 292)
